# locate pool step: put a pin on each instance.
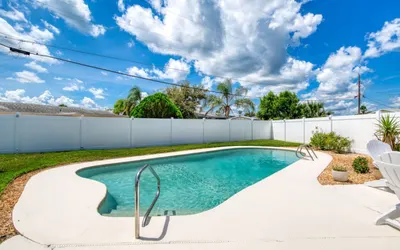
(129, 212)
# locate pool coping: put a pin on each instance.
(46, 217)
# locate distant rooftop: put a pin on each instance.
(39, 109)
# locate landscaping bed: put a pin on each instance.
(346, 161)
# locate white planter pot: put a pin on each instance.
(340, 176)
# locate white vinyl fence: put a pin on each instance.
(358, 128)
(53, 133)
(23, 133)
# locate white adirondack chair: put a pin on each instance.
(390, 169)
(377, 148)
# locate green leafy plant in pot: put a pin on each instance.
(340, 173)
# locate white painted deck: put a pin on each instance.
(287, 210)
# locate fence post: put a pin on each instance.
(80, 132)
(284, 129)
(378, 115)
(330, 118)
(130, 132)
(171, 130)
(304, 130)
(204, 120)
(229, 124)
(252, 129)
(16, 137)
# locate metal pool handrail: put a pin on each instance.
(308, 148)
(137, 200)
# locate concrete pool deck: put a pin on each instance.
(286, 210)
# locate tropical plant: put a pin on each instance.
(360, 165)
(388, 130)
(187, 98)
(156, 106)
(120, 107)
(313, 109)
(363, 109)
(228, 99)
(133, 99)
(125, 106)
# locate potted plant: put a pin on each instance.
(339, 173)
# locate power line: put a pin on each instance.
(81, 52)
(378, 102)
(25, 52)
(114, 57)
(28, 53)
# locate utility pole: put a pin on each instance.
(359, 94)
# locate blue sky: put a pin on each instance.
(314, 48)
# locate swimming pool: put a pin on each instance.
(189, 183)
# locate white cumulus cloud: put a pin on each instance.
(385, 40)
(26, 77)
(33, 65)
(76, 13)
(98, 93)
(13, 14)
(222, 37)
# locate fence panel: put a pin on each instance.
(278, 129)
(151, 132)
(7, 133)
(314, 124)
(216, 131)
(187, 131)
(360, 129)
(103, 133)
(295, 130)
(240, 130)
(47, 133)
(262, 130)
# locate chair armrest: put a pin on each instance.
(391, 157)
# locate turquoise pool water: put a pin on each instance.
(189, 184)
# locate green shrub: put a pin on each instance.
(339, 168)
(156, 106)
(318, 140)
(360, 165)
(330, 141)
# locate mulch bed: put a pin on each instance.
(346, 160)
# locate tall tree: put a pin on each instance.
(156, 106)
(125, 106)
(120, 107)
(133, 99)
(313, 109)
(229, 98)
(363, 109)
(187, 98)
(267, 109)
(287, 105)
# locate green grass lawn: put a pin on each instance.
(14, 165)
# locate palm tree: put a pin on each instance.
(133, 99)
(228, 99)
(120, 107)
(363, 109)
(388, 130)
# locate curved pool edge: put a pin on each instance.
(47, 217)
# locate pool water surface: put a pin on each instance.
(189, 183)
